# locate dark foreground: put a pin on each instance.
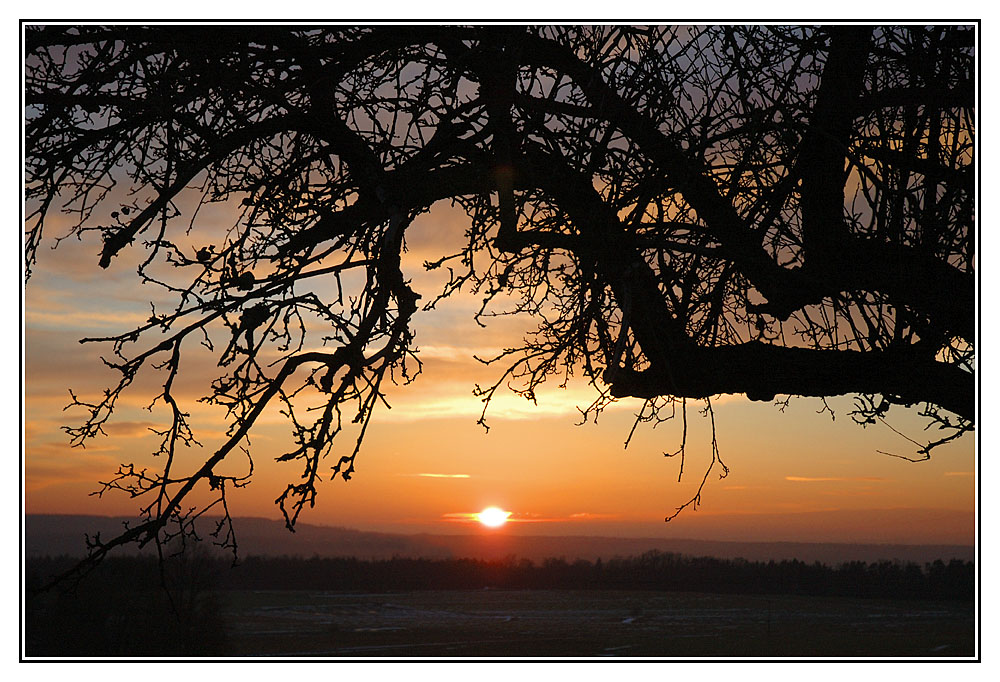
(527, 623)
(588, 623)
(651, 605)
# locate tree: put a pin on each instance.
(685, 212)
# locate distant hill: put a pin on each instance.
(64, 534)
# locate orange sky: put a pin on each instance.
(427, 459)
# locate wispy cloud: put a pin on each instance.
(531, 517)
(456, 400)
(461, 517)
(460, 353)
(438, 475)
(42, 469)
(513, 517)
(815, 479)
(131, 429)
(83, 320)
(958, 473)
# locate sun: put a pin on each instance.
(494, 517)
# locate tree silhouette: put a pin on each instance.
(685, 212)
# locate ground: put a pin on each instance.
(592, 623)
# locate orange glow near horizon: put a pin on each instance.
(796, 475)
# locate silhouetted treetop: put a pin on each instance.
(684, 211)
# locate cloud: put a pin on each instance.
(447, 400)
(51, 463)
(448, 352)
(811, 479)
(530, 517)
(461, 517)
(127, 429)
(513, 517)
(438, 475)
(82, 320)
(959, 473)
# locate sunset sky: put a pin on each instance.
(427, 466)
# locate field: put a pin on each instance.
(567, 623)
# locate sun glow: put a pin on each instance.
(494, 517)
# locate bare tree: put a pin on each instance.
(685, 212)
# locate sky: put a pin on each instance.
(796, 474)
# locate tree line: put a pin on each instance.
(654, 570)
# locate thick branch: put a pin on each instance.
(823, 151)
(762, 371)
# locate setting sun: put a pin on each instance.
(494, 517)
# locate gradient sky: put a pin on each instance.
(426, 462)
